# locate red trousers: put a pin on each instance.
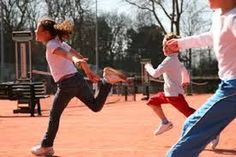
(178, 102)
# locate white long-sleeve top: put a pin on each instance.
(222, 37)
(174, 74)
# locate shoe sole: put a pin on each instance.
(43, 154)
(215, 143)
(170, 127)
(46, 154)
(117, 72)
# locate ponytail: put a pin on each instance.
(62, 30)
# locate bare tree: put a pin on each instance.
(15, 17)
(15, 13)
(58, 9)
(186, 17)
(195, 20)
(34, 11)
(155, 6)
(117, 41)
(143, 18)
(76, 10)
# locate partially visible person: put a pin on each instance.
(215, 114)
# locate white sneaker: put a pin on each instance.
(215, 142)
(113, 76)
(163, 128)
(38, 150)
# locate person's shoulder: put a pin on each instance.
(53, 42)
(65, 44)
(231, 17)
(167, 61)
(231, 13)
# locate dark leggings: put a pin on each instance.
(75, 86)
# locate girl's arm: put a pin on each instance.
(197, 41)
(91, 75)
(155, 73)
(70, 56)
(185, 75)
(76, 53)
(185, 78)
(78, 60)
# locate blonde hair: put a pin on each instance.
(170, 36)
(63, 29)
(167, 37)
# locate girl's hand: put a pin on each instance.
(185, 86)
(84, 65)
(80, 61)
(93, 77)
(148, 66)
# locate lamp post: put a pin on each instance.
(96, 37)
(2, 44)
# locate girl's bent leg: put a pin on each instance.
(181, 105)
(85, 94)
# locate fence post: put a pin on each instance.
(126, 92)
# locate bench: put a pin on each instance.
(4, 90)
(27, 95)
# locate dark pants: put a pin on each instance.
(75, 86)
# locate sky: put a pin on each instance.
(118, 5)
(113, 5)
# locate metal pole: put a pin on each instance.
(2, 45)
(30, 61)
(17, 63)
(96, 37)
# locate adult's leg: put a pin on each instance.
(206, 123)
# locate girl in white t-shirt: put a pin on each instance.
(61, 59)
(213, 116)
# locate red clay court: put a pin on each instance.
(121, 129)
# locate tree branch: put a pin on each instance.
(156, 17)
(138, 6)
